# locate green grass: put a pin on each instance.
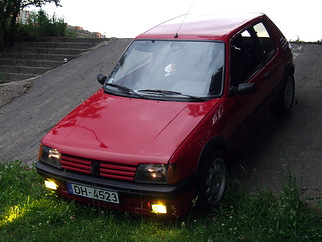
(29, 212)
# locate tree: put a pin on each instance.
(9, 10)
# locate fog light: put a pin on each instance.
(51, 185)
(159, 208)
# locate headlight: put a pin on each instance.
(50, 156)
(152, 173)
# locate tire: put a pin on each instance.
(284, 102)
(212, 181)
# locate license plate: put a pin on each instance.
(93, 192)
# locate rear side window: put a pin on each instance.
(267, 43)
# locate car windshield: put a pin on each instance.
(170, 68)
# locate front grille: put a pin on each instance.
(98, 168)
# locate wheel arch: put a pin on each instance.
(289, 68)
(216, 143)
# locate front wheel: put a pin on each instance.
(284, 101)
(212, 181)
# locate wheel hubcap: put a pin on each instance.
(215, 182)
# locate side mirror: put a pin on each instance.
(243, 88)
(101, 78)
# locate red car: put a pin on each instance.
(155, 139)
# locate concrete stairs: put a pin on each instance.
(36, 56)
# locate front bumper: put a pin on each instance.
(134, 197)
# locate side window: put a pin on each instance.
(267, 42)
(249, 50)
(245, 56)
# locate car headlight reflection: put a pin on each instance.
(50, 156)
(152, 173)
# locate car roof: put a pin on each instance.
(201, 27)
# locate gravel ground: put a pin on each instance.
(11, 90)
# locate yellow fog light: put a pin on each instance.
(159, 208)
(51, 184)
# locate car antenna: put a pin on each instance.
(177, 34)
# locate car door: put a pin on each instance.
(248, 64)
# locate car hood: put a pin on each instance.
(120, 129)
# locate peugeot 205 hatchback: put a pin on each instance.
(155, 138)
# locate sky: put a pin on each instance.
(298, 20)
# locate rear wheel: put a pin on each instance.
(284, 101)
(212, 181)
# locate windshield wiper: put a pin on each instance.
(159, 91)
(169, 92)
(124, 89)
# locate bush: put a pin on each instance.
(40, 24)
